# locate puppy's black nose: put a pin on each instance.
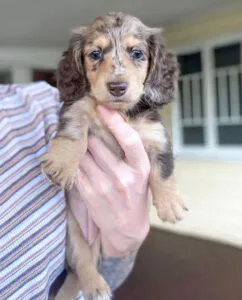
(117, 89)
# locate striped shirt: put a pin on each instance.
(32, 211)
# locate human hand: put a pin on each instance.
(115, 192)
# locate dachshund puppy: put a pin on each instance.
(119, 62)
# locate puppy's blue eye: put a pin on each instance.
(96, 55)
(137, 54)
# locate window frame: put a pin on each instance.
(211, 148)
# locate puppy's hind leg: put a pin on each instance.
(69, 289)
(81, 261)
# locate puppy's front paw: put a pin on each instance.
(59, 164)
(171, 209)
(59, 172)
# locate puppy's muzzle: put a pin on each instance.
(117, 89)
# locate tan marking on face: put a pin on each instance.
(99, 77)
(131, 41)
(100, 42)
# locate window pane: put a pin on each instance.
(230, 135)
(227, 56)
(181, 98)
(201, 96)
(227, 88)
(193, 135)
(228, 93)
(5, 77)
(190, 63)
(240, 94)
(45, 75)
(191, 98)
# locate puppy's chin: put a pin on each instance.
(121, 104)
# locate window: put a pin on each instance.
(208, 113)
(228, 85)
(45, 75)
(5, 76)
(191, 99)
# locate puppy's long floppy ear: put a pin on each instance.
(71, 79)
(163, 71)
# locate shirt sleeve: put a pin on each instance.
(32, 211)
(115, 270)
